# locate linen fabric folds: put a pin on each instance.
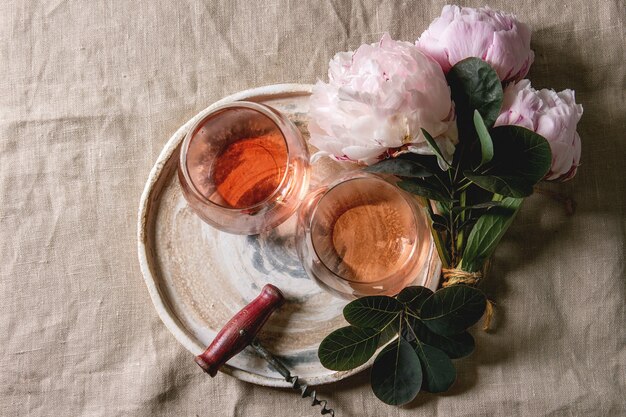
(90, 91)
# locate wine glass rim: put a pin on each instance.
(263, 109)
(362, 175)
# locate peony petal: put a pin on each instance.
(377, 98)
(496, 37)
(476, 40)
(363, 154)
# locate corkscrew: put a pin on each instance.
(241, 331)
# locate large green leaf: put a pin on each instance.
(455, 346)
(401, 168)
(429, 189)
(508, 185)
(453, 309)
(390, 332)
(348, 347)
(375, 311)
(475, 86)
(413, 297)
(487, 232)
(396, 376)
(437, 368)
(521, 159)
(486, 144)
(521, 151)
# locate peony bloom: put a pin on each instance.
(376, 101)
(496, 37)
(553, 115)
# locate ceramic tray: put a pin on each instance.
(199, 277)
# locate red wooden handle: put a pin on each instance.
(240, 330)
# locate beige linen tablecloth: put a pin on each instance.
(90, 91)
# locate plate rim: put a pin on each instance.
(167, 317)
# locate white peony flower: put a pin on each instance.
(377, 100)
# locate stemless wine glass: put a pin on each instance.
(244, 168)
(362, 235)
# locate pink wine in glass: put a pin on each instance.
(244, 168)
(363, 236)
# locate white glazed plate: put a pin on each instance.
(199, 277)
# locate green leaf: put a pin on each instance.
(487, 232)
(438, 218)
(442, 208)
(413, 297)
(508, 185)
(428, 189)
(390, 332)
(453, 309)
(348, 347)
(521, 151)
(439, 222)
(521, 159)
(475, 86)
(455, 346)
(429, 162)
(480, 206)
(486, 144)
(396, 376)
(437, 368)
(433, 145)
(374, 312)
(401, 168)
(467, 224)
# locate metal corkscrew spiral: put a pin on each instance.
(292, 379)
(241, 330)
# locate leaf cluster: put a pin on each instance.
(472, 202)
(419, 331)
(470, 205)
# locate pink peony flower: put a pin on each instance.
(376, 101)
(553, 115)
(494, 36)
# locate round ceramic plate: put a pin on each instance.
(199, 277)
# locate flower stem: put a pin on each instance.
(460, 235)
(441, 250)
